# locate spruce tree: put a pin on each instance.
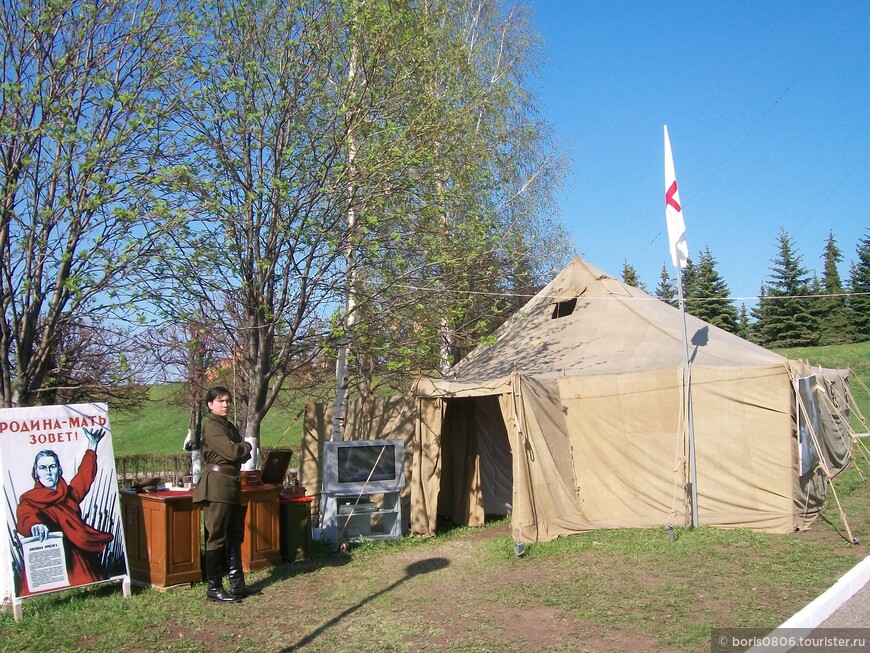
(689, 277)
(744, 327)
(707, 295)
(830, 307)
(666, 290)
(859, 287)
(783, 315)
(630, 276)
(757, 312)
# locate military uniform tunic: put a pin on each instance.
(219, 487)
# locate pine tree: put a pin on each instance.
(630, 276)
(830, 307)
(666, 290)
(859, 287)
(783, 315)
(707, 295)
(689, 277)
(754, 334)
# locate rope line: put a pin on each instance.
(642, 299)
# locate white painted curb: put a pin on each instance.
(814, 615)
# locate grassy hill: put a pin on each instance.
(161, 425)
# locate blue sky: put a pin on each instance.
(768, 109)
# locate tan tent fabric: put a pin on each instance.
(578, 413)
(607, 406)
(744, 440)
(626, 432)
(546, 504)
(425, 479)
(607, 333)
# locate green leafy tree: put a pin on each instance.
(325, 195)
(261, 189)
(502, 175)
(82, 94)
(192, 351)
(478, 222)
(783, 316)
(859, 288)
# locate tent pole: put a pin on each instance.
(519, 433)
(687, 381)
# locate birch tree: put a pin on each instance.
(477, 236)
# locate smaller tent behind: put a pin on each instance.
(575, 418)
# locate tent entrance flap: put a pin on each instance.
(476, 469)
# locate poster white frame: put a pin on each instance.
(69, 431)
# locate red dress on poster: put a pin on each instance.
(58, 509)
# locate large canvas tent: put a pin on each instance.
(575, 418)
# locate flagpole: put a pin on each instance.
(679, 257)
(687, 384)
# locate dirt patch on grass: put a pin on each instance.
(470, 593)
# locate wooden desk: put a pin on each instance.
(162, 534)
(261, 547)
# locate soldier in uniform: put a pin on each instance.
(219, 490)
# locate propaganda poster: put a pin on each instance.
(63, 516)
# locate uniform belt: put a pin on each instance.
(223, 469)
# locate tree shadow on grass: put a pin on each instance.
(414, 569)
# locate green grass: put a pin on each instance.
(855, 356)
(603, 591)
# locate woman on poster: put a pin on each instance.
(54, 505)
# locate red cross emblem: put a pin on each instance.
(669, 197)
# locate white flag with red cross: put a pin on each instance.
(674, 211)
